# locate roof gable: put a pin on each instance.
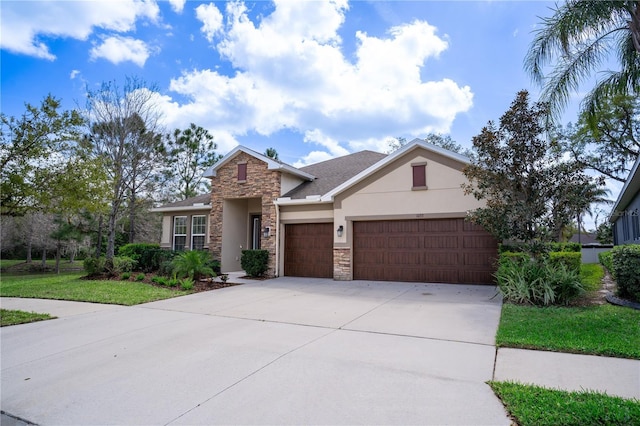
(271, 164)
(411, 146)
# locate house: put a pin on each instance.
(624, 216)
(185, 224)
(396, 217)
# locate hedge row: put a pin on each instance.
(623, 262)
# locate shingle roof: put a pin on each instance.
(188, 202)
(332, 173)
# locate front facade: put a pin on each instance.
(625, 215)
(397, 217)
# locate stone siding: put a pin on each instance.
(261, 183)
(342, 264)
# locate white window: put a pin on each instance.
(198, 232)
(179, 232)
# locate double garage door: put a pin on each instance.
(419, 250)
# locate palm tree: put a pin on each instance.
(272, 153)
(582, 34)
(194, 264)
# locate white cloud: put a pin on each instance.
(177, 5)
(26, 23)
(211, 19)
(116, 49)
(74, 74)
(291, 74)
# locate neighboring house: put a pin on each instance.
(624, 216)
(396, 217)
(185, 224)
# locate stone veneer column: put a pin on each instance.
(261, 183)
(342, 264)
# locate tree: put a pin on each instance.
(531, 192)
(272, 153)
(190, 152)
(30, 147)
(438, 139)
(124, 128)
(580, 36)
(611, 144)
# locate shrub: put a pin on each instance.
(125, 275)
(626, 270)
(140, 277)
(539, 247)
(148, 256)
(606, 260)
(513, 256)
(159, 280)
(254, 262)
(186, 284)
(172, 282)
(123, 264)
(215, 265)
(93, 265)
(572, 260)
(166, 268)
(537, 282)
(192, 264)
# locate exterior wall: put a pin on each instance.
(306, 213)
(388, 195)
(234, 238)
(260, 183)
(629, 215)
(288, 182)
(166, 241)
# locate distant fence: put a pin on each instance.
(590, 252)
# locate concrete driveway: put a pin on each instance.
(282, 351)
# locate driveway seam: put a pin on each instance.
(251, 374)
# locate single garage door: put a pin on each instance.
(423, 250)
(308, 250)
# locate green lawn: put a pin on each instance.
(19, 266)
(533, 405)
(70, 287)
(591, 275)
(10, 317)
(599, 330)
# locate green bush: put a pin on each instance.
(93, 265)
(514, 256)
(125, 275)
(572, 260)
(159, 280)
(166, 268)
(172, 282)
(192, 264)
(540, 247)
(149, 257)
(626, 270)
(140, 277)
(537, 282)
(255, 262)
(123, 264)
(606, 260)
(186, 284)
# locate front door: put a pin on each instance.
(256, 230)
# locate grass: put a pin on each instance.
(16, 266)
(597, 330)
(591, 275)
(70, 287)
(534, 405)
(10, 317)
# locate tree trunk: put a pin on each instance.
(58, 250)
(99, 244)
(44, 258)
(111, 235)
(29, 247)
(132, 216)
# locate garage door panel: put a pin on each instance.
(403, 242)
(436, 250)
(308, 250)
(440, 242)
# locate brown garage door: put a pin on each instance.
(308, 250)
(439, 250)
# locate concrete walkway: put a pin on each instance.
(283, 351)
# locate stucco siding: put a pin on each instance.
(306, 213)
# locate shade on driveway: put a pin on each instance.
(283, 351)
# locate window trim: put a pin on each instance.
(173, 245)
(421, 168)
(194, 234)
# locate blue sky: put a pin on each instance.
(312, 79)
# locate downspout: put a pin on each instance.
(277, 269)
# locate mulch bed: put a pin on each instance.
(199, 286)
